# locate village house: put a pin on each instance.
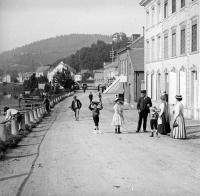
(130, 62)
(59, 68)
(42, 71)
(172, 51)
(6, 78)
(111, 72)
(98, 76)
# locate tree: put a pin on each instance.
(63, 79)
(42, 80)
(31, 84)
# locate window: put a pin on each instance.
(194, 37)
(147, 51)
(152, 15)
(152, 49)
(182, 41)
(158, 12)
(174, 43)
(166, 46)
(158, 47)
(182, 3)
(147, 18)
(165, 9)
(173, 6)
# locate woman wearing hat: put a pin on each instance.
(118, 117)
(179, 131)
(163, 119)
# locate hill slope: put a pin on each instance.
(29, 57)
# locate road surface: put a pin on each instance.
(62, 157)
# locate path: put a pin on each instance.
(72, 161)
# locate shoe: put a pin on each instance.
(145, 131)
(137, 131)
(151, 135)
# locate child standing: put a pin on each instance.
(118, 117)
(154, 120)
(95, 107)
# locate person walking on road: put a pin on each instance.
(76, 106)
(179, 130)
(47, 104)
(118, 117)
(95, 107)
(143, 105)
(90, 97)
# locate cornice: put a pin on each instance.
(144, 2)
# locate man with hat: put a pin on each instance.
(76, 106)
(143, 105)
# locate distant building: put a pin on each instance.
(131, 71)
(42, 71)
(78, 78)
(6, 78)
(59, 68)
(172, 52)
(111, 72)
(24, 76)
(98, 76)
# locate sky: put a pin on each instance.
(26, 21)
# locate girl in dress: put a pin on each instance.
(179, 131)
(118, 117)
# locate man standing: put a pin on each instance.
(143, 105)
(90, 97)
(76, 106)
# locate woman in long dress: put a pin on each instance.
(161, 117)
(118, 117)
(179, 130)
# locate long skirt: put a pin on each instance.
(179, 132)
(117, 120)
(162, 127)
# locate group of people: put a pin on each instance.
(94, 106)
(159, 116)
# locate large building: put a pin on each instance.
(172, 55)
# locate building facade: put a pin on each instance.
(98, 77)
(131, 69)
(172, 55)
(111, 72)
(59, 68)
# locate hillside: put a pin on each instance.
(29, 57)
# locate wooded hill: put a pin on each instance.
(48, 51)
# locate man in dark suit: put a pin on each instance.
(143, 105)
(76, 106)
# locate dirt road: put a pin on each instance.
(66, 158)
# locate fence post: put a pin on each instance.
(3, 132)
(14, 126)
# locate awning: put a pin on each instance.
(115, 88)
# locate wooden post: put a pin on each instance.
(3, 132)
(14, 126)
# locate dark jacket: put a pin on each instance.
(91, 97)
(79, 104)
(144, 103)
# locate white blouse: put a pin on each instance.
(178, 109)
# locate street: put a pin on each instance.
(63, 157)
